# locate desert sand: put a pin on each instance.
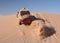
(12, 32)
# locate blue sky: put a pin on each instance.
(8, 7)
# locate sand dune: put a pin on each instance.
(12, 32)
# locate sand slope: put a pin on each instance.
(11, 32)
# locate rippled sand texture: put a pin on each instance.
(37, 32)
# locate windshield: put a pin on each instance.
(24, 13)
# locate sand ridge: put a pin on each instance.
(12, 32)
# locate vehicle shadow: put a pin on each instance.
(47, 31)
